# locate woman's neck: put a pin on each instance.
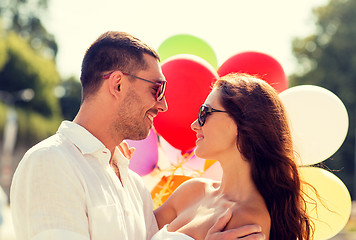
(236, 183)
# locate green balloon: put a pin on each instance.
(187, 44)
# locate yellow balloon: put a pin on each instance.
(333, 206)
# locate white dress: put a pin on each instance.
(164, 234)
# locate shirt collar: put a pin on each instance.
(81, 137)
(120, 159)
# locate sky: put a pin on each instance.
(228, 26)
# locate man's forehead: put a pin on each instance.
(154, 69)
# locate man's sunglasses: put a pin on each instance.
(205, 111)
(161, 85)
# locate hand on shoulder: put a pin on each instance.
(246, 232)
(247, 215)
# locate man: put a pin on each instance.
(76, 184)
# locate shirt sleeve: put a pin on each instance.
(163, 234)
(47, 198)
(151, 223)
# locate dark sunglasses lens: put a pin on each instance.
(202, 115)
(160, 91)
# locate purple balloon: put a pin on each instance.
(145, 157)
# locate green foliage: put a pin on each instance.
(27, 54)
(24, 18)
(3, 52)
(25, 68)
(71, 99)
(328, 59)
(32, 127)
(22, 66)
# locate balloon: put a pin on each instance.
(175, 157)
(195, 163)
(189, 82)
(187, 44)
(165, 188)
(319, 122)
(333, 209)
(145, 157)
(259, 64)
(208, 163)
(172, 153)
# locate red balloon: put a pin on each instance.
(258, 64)
(190, 79)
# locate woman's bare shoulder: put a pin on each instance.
(184, 196)
(251, 214)
(196, 185)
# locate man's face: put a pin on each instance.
(135, 116)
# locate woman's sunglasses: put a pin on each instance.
(161, 85)
(205, 111)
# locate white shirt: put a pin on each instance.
(64, 188)
(166, 235)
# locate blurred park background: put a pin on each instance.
(35, 96)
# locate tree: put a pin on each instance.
(328, 59)
(24, 68)
(3, 52)
(24, 18)
(70, 97)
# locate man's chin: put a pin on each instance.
(140, 136)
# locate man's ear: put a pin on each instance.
(114, 83)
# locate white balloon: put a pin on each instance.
(318, 121)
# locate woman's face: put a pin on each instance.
(218, 135)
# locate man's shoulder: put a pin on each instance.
(50, 145)
(47, 153)
(46, 160)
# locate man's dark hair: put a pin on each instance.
(112, 51)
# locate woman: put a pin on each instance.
(243, 125)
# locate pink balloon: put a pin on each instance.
(171, 152)
(174, 156)
(259, 64)
(214, 172)
(145, 157)
(195, 163)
